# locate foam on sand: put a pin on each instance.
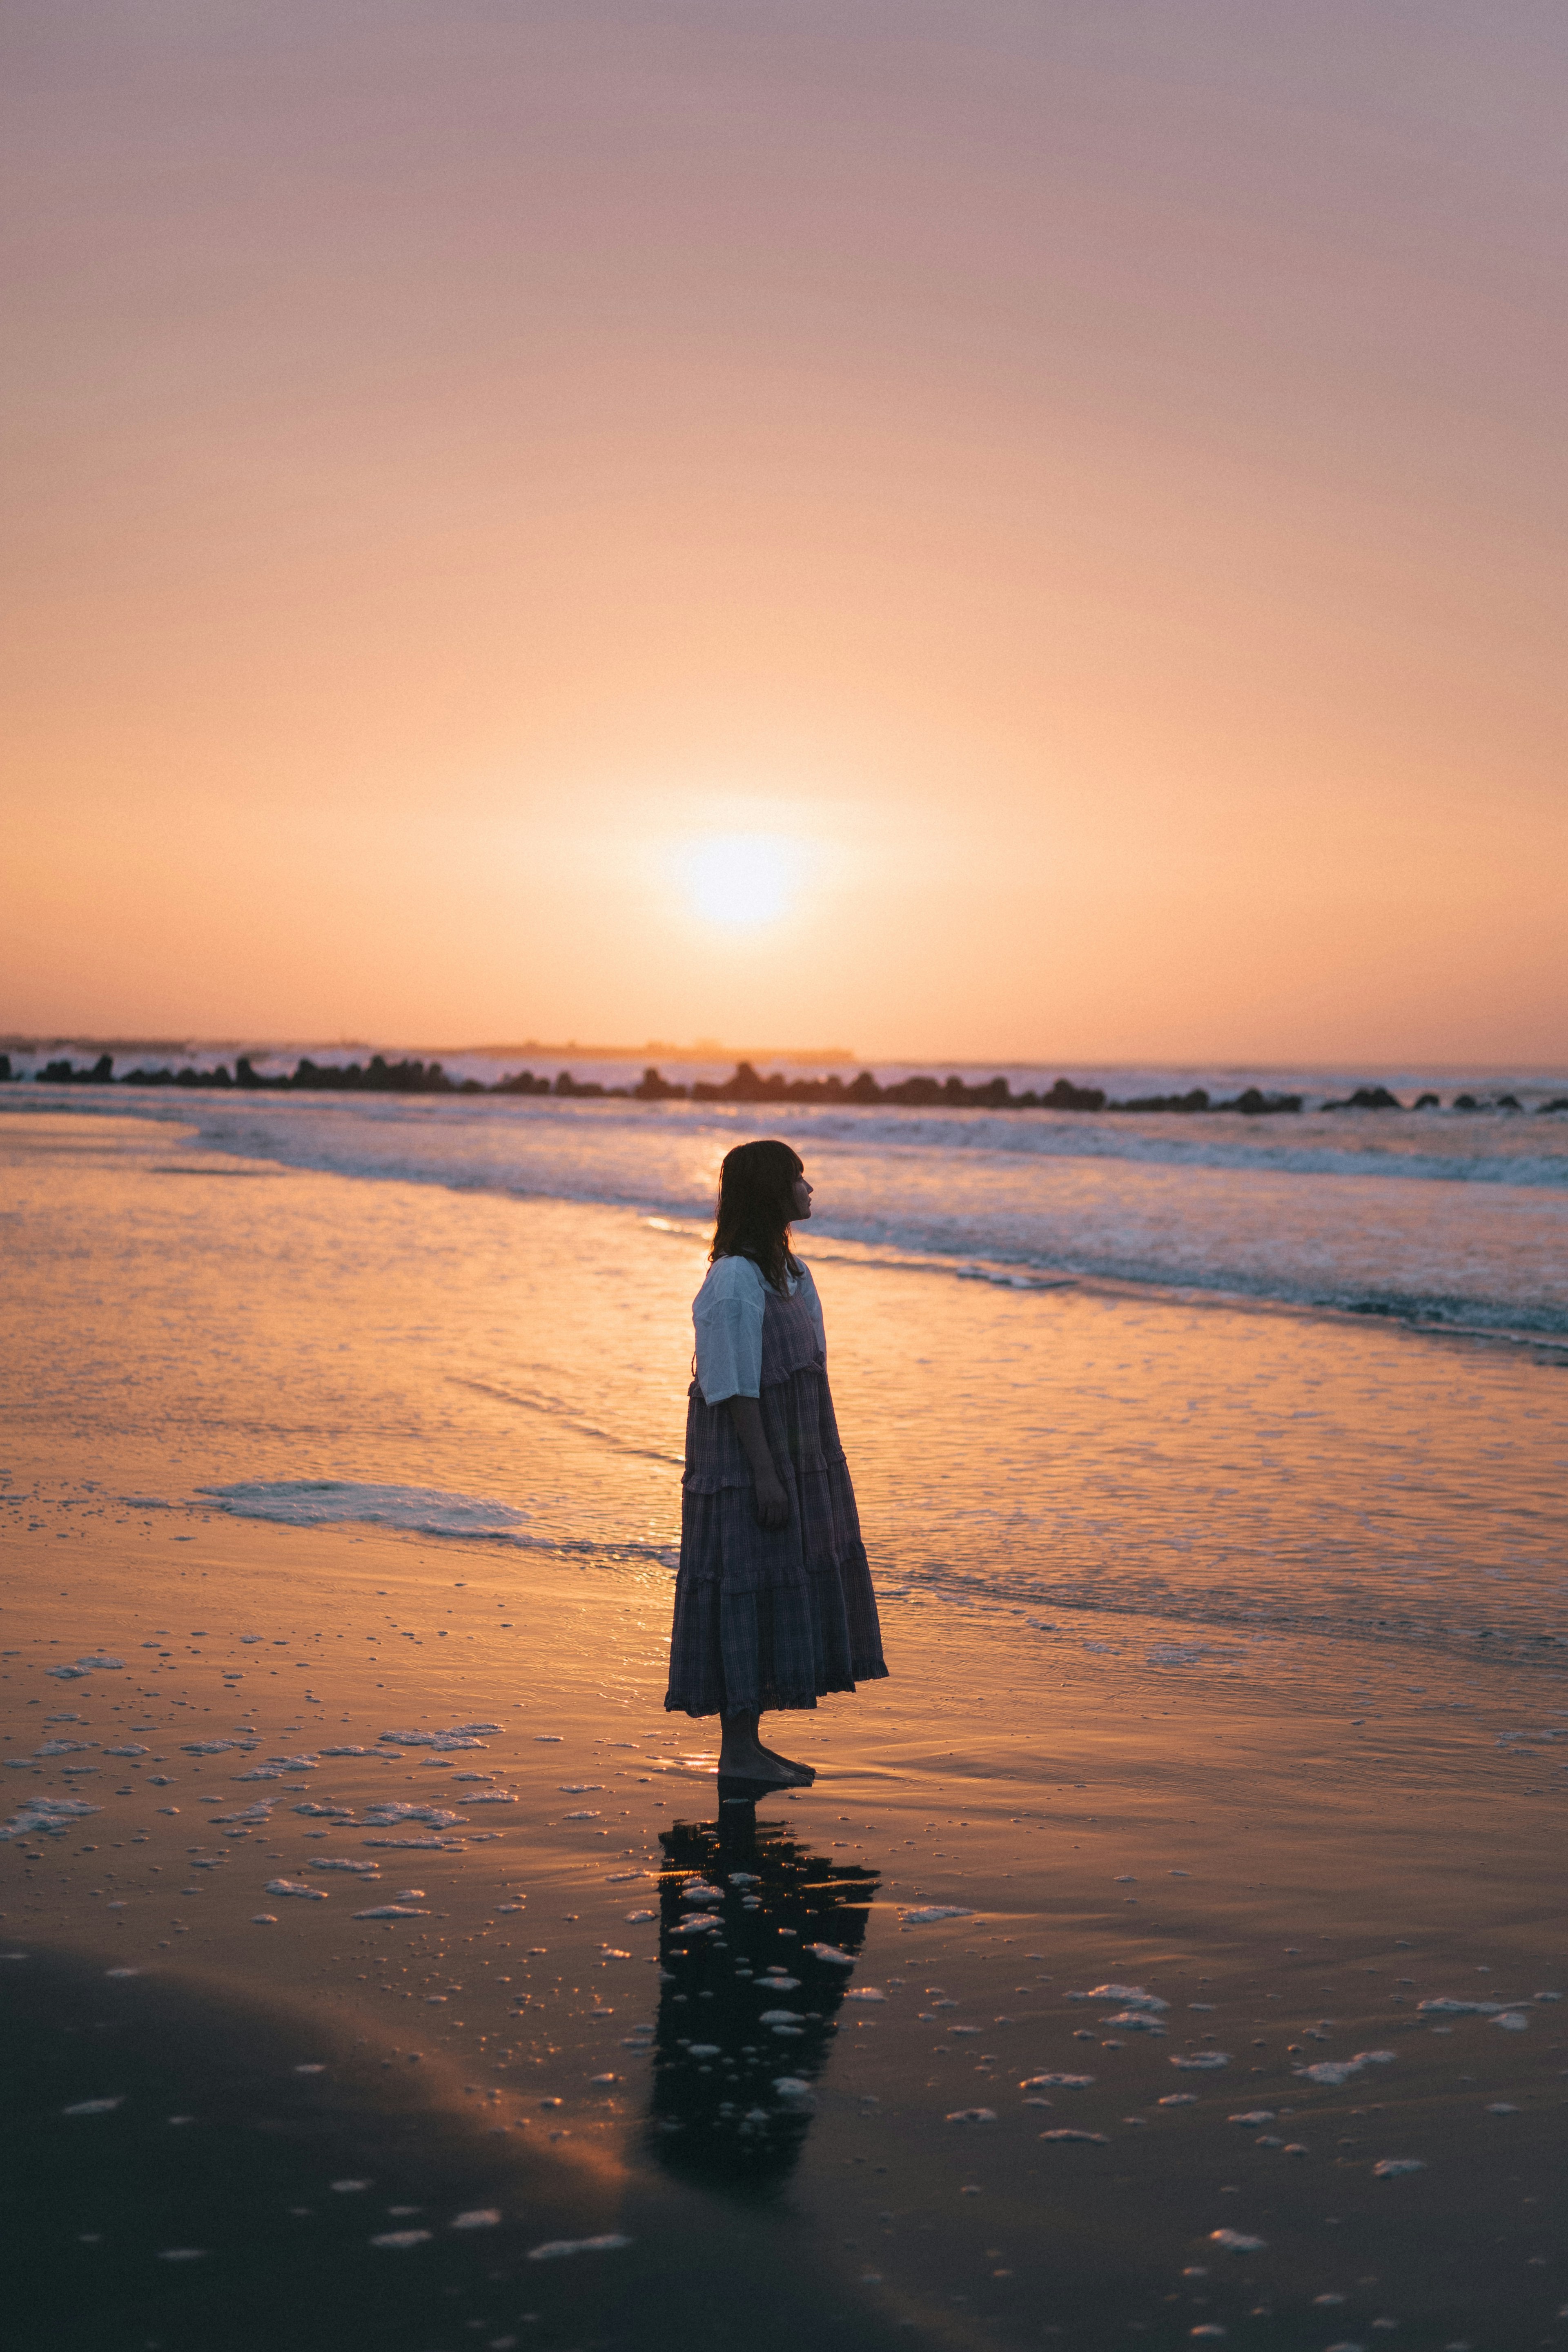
(328, 1502)
(557, 2249)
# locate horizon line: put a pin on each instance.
(707, 1049)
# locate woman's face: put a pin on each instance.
(803, 1192)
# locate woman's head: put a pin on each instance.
(762, 1190)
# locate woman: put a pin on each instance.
(772, 1602)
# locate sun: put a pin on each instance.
(741, 881)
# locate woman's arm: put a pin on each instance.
(772, 1503)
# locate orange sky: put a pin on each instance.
(1085, 480)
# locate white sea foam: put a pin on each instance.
(1389, 1206)
(1332, 2071)
(50, 1815)
(326, 1502)
(556, 2249)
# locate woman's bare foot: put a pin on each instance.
(740, 1758)
(804, 1774)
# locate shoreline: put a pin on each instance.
(538, 1160)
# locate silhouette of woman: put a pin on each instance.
(773, 1604)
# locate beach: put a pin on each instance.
(1170, 1946)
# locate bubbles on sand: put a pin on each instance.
(1235, 2241)
(1130, 1996)
(463, 1736)
(325, 1502)
(1202, 2062)
(291, 1886)
(384, 1816)
(50, 1815)
(1390, 2167)
(1332, 2071)
(558, 2248)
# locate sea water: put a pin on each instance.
(1443, 1217)
(1204, 1387)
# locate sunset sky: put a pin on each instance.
(969, 529)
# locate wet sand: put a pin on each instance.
(1289, 1845)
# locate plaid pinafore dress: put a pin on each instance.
(771, 1617)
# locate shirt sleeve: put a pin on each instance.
(726, 1314)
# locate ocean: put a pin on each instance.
(1445, 1219)
(1209, 1379)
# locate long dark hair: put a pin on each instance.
(756, 1202)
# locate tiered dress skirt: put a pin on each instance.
(764, 1617)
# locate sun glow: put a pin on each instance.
(742, 879)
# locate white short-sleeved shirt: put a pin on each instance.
(728, 1314)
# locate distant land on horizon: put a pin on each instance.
(710, 1050)
(705, 1049)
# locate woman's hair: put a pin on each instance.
(756, 1202)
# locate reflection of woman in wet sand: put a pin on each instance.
(756, 1935)
(773, 1604)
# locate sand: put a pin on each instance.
(1179, 1865)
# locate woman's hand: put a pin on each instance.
(768, 1490)
(771, 1502)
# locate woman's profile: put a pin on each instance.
(774, 1606)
